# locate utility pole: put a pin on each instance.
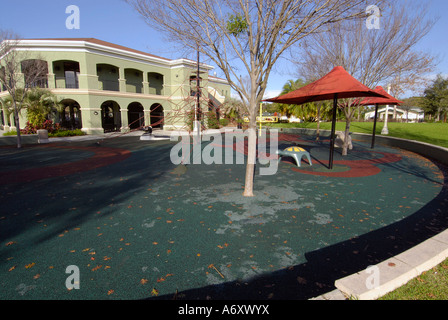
(196, 123)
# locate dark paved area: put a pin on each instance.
(138, 226)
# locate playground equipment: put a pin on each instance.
(296, 153)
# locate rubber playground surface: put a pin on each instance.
(139, 227)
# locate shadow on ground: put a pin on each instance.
(326, 265)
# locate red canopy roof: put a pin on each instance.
(338, 81)
(380, 101)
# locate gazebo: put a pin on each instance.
(335, 85)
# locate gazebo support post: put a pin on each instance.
(374, 126)
(333, 130)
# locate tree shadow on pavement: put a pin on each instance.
(326, 265)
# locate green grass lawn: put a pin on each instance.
(434, 133)
(430, 285)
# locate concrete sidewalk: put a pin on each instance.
(391, 273)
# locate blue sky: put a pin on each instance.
(115, 21)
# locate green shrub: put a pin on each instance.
(212, 120)
(224, 122)
(10, 133)
(67, 133)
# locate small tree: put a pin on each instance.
(244, 39)
(384, 55)
(435, 99)
(18, 74)
(40, 104)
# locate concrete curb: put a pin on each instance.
(396, 271)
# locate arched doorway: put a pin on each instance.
(157, 115)
(110, 116)
(70, 117)
(136, 116)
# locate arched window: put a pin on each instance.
(35, 73)
(134, 80)
(108, 77)
(194, 86)
(155, 83)
(66, 74)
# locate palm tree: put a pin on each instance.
(8, 107)
(289, 86)
(6, 104)
(41, 104)
(232, 109)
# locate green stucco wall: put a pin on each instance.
(123, 79)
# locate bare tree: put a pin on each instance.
(244, 38)
(19, 73)
(386, 55)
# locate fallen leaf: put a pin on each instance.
(28, 266)
(301, 280)
(154, 292)
(97, 268)
(110, 292)
(143, 281)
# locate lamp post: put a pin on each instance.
(385, 130)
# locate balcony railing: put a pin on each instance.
(67, 83)
(110, 85)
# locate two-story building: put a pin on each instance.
(107, 87)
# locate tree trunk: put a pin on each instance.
(251, 158)
(17, 124)
(346, 137)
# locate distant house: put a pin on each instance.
(412, 115)
(108, 87)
